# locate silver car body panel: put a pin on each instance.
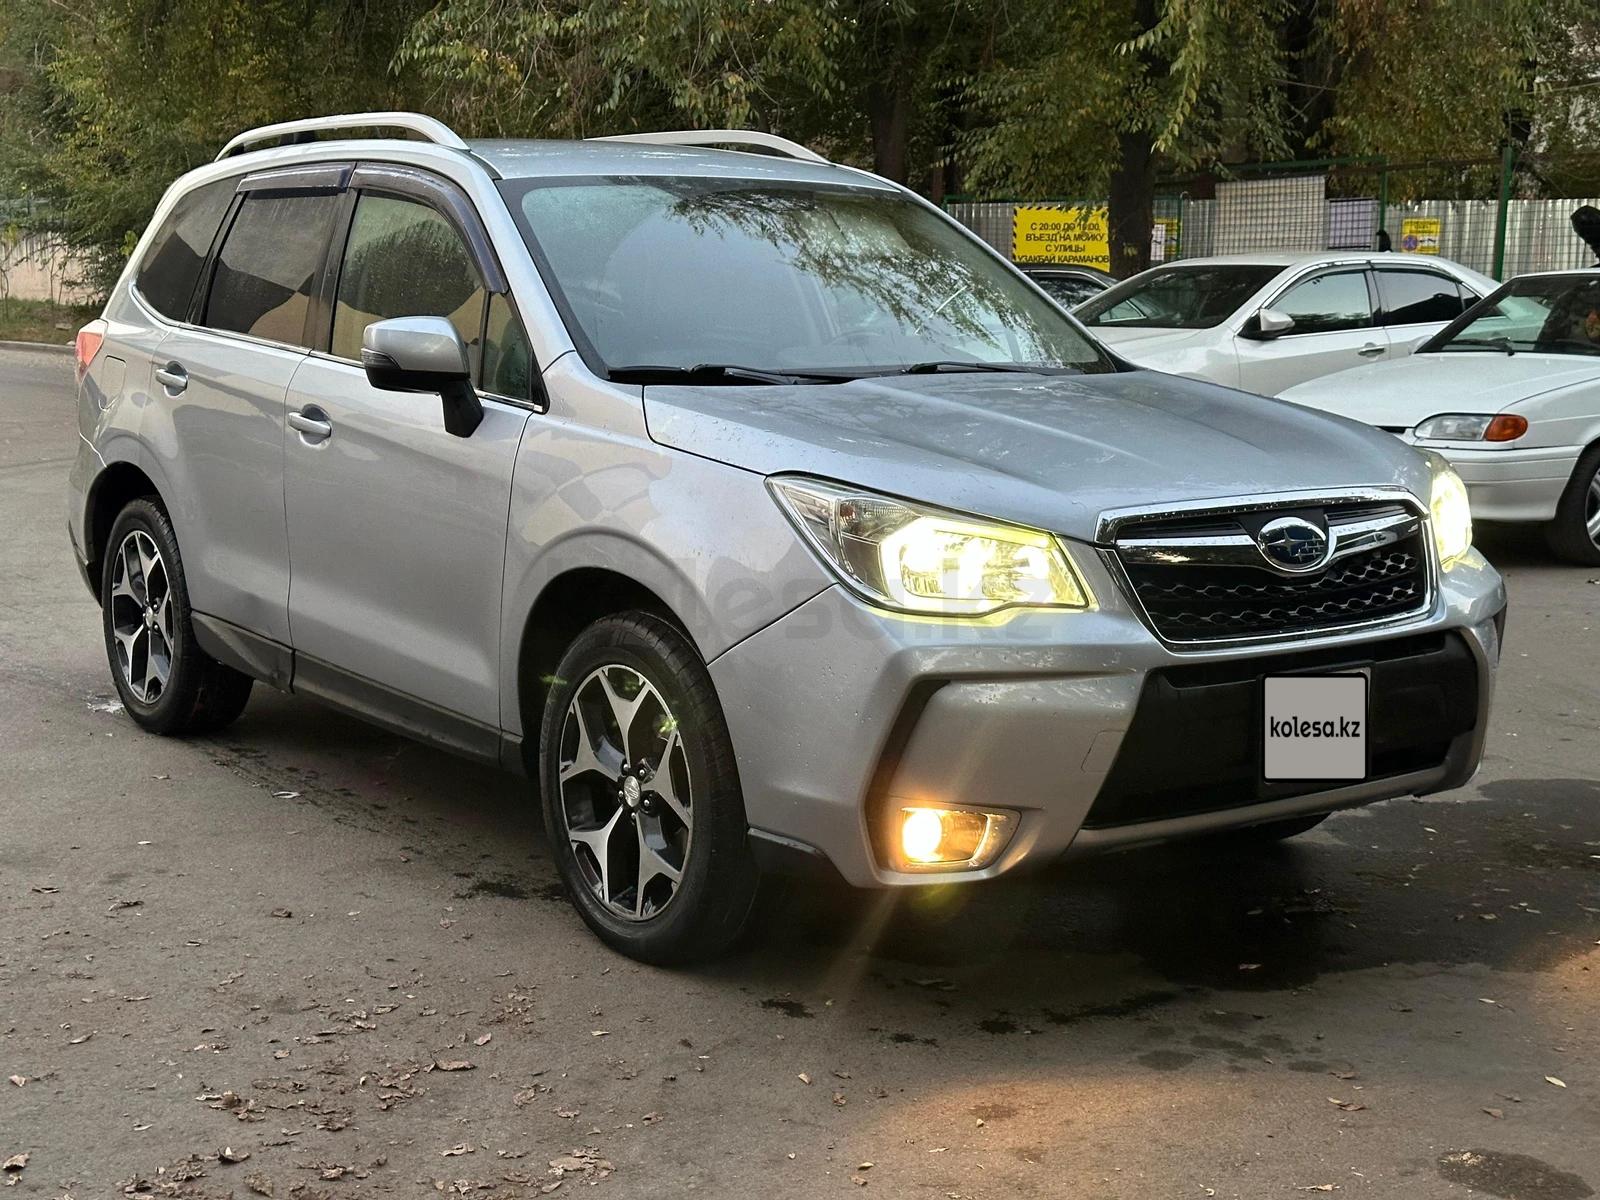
(402, 574)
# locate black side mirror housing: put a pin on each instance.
(424, 354)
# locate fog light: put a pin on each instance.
(943, 839)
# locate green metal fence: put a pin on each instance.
(1503, 215)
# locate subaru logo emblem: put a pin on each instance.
(1293, 544)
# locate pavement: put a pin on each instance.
(306, 959)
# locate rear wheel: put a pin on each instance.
(641, 795)
(1575, 533)
(166, 682)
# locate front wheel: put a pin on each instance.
(1575, 533)
(641, 794)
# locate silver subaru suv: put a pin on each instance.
(766, 519)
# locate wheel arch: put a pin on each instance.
(112, 489)
(568, 604)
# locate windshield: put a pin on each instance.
(1197, 297)
(1542, 314)
(769, 277)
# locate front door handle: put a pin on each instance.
(312, 422)
(1370, 350)
(172, 377)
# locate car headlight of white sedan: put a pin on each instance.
(1471, 427)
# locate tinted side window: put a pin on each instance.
(171, 266)
(269, 266)
(404, 259)
(1328, 303)
(1411, 297)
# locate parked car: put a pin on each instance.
(757, 511)
(1071, 285)
(1509, 393)
(1265, 322)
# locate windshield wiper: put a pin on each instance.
(1494, 343)
(712, 373)
(938, 365)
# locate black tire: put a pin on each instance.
(1271, 831)
(199, 694)
(1568, 535)
(711, 904)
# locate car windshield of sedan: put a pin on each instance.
(1180, 297)
(739, 281)
(1538, 314)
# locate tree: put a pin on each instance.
(1087, 99)
(116, 101)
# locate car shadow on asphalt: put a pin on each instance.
(1503, 875)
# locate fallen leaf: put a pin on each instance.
(1496, 1113)
(1319, 1187)
(454, 1064)
(484, 1040)
(1346, 1105)
(78, 1041)
(1343, 1074)
(1554, 1080)
(282, 912)
(458, 1149)
(121, 904)
(858, 1181)
(600, 1033)
(566, 1114)
(229, 1155)
(804, 1078)
(286, 795)
(1249, 966)
(19, 1080)
(15, 1163)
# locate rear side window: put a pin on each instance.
(269, 266)
(1328, 303)
(1414, 297)
(404, 259)
(171, 266)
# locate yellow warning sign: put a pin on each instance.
(1061, 234)
(1420, 235)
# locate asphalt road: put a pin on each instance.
(288, 941)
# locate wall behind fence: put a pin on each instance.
(40, 268)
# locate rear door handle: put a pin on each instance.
(1372, 351)
(312, 422)
(172, 377)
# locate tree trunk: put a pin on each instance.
(889, 114)
(1132, 203)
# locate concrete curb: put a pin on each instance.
(48, 347)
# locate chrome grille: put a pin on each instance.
(1204, 578)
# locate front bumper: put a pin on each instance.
(839, 709)
(1512, 484)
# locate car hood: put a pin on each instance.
(1407, 390)
(1053, 452)
(1138, 343)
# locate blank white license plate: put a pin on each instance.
(1314, 727)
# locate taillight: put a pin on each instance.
(1507, 427)
(88, 345)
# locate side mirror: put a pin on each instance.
(1270, 323)
(424, 354)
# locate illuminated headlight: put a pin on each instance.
(1452, 514)
(921, 560)
(1472, 427)
(949, 839)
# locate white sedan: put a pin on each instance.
(1510, 394)
(1265, 322)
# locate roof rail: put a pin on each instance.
(431, 129)
(720, 137)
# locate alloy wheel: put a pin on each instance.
(626, 794)
(142, 616)
(1591, 509)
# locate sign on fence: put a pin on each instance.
(1419, 235)
(1061, 234)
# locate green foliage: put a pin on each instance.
(118, 97)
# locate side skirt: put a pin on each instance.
(276, 664)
